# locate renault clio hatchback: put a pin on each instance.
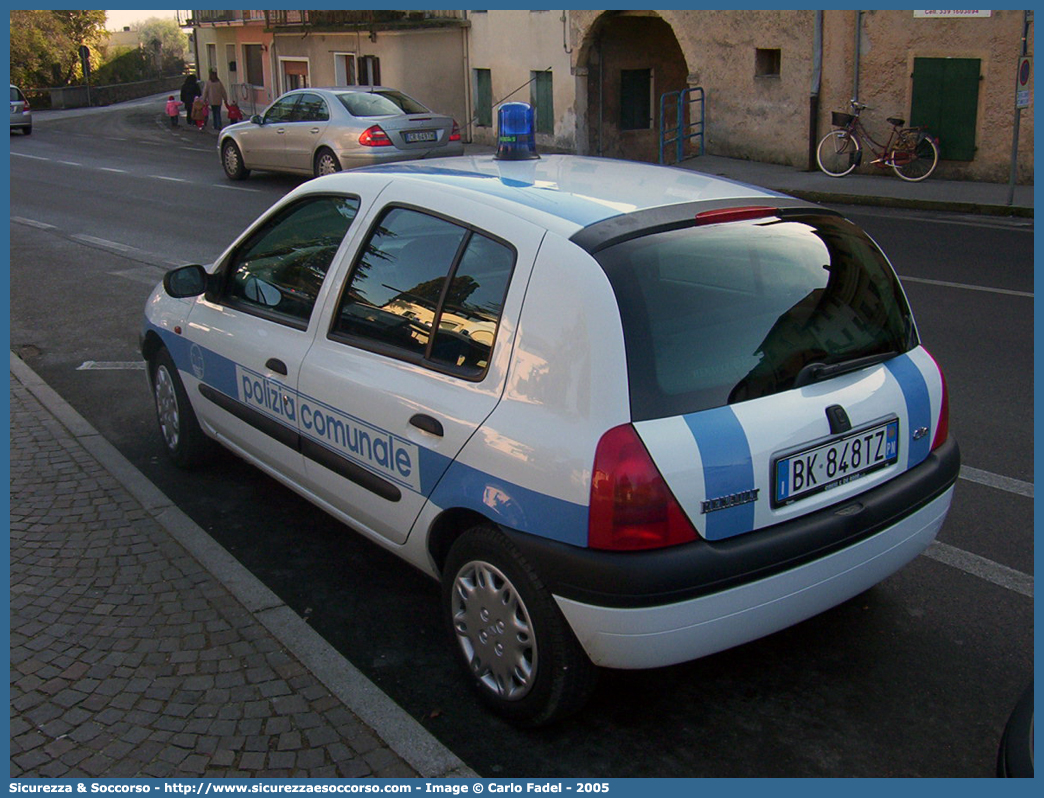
(628, 415)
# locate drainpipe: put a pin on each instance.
(813, 99)
(855, 58)
(469, 113)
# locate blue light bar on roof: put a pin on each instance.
(516, 136)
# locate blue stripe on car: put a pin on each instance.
(512, 505)
(460, 485)
(918, 406)
(728, 469)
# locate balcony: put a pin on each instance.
(385, 19)
(198, 18)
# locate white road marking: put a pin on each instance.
(236, 188)
(33, 223)
(171, 179)
(110, 169)
(966, 286)
(1009, 484)
(973, 564)
(103, 365)
(70, 163)
(101, 242)
(33, 157)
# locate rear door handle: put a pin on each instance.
(428, 424)
(276, 365)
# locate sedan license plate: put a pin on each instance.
(414, 136)
(829, 465)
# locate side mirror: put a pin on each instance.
(256, 119)
(185, 281)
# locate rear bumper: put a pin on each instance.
(649, 637)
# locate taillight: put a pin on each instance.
(631, 506)
(374, 137)
(455, 134)
(942, 427)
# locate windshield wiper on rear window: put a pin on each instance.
(817, 372)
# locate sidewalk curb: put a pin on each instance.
(403, 734)
(838, 198)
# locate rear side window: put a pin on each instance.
(427, 290)
(724, 313)
(380, 103)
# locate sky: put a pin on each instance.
(116, 20)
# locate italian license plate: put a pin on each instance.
(414, 136)
(837, 462)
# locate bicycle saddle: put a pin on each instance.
(894, 120)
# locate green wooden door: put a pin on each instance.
(946, 99)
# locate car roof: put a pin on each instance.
(567, 193)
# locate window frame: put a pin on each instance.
(221, 293)
(397, 353)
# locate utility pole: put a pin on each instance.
(1022, 100)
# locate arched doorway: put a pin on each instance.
(632, 58)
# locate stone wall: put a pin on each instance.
(77, 96)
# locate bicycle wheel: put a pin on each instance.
(838, 153)
(916, 162)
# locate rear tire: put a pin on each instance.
(509, 635)
(919, 164)
(838, 153)
(232, 161)
(325, 163)
(185, 442)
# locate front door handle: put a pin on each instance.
(428, 424)
(276, 365)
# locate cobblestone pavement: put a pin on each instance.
(128, 658)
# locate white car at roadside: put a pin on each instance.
(697, 412)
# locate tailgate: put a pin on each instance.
(752, 464)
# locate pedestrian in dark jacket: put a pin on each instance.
(189, 92)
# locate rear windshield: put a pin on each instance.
(724, 313)
(380, 103)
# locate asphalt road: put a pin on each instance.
(914, 678)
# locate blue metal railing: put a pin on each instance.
(682, 129)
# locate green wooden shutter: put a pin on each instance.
(542, 100)
(946, 99)
(483, 98)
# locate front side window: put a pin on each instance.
(282, 110)
(427, 290)
(729, 312)
(278, 271)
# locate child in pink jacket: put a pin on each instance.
(173, 108)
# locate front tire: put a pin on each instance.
(838, 153)
(184, 441)
(232, 161)
(325, 163)
(917, 164)
(510, 637)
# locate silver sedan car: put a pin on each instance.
(21, 116)
(320, 131)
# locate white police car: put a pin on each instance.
(628, 415)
